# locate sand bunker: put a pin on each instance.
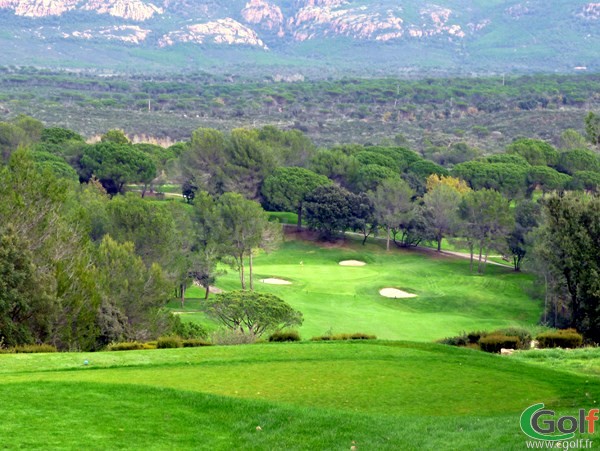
(352, 263)
(273, 281)
(215, 290)
(395, 293)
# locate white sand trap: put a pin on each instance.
(273, 281)
(215, 290)
(395, 293)
(352, 263)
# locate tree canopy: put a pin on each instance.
(252, 313)
(287, 188)
(115, 165)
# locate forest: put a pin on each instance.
(91, 249)
(424, 114)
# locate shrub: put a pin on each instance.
(128, 346)
(169, 342)
(523, 334)
(29, 349)
(565, 338)
(355, 336)
(284, 335)
(34, 349)
(341, 337)
(459, 340)
(232, 337)
(190, 330)
(497, 341)
(362, 336)
(475, 336)
(195, 343)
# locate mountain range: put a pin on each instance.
(325, 36)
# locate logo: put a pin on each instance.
(540, 424)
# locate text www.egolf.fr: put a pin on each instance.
(565, 445)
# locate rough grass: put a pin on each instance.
(380, 395)
(337, 299)
(584, 360)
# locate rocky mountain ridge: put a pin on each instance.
(452, 25)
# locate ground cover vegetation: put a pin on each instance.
(87, 264)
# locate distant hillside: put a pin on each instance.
(328, 36)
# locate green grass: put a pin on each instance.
(379, 395)
(327, 395)
(583, 361)
(283, 217)
(346, 299)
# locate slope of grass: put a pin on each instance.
(346, 299)
(379, 395)
(583, 361)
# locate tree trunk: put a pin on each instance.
(471, 248)
(484, 262)
(182, 287)
(387, 240)
(144, 189)
(250, 271)
(439, 241)
(517, 259)
(479, 263)
(299, 223)
(242, 275)
(207, 287)
(545, 299)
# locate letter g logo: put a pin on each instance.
(530, 426)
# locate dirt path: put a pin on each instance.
(466, 255)
(435, 252)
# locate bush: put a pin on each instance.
(29, 349)
(475, 336)
(128, 346)
(284, 335)
(190, 330)
(232, 337)
(354, 336)
(459, 340)
(195, 343)
(495, 342)
(565, 338)
(361, 336)
(523, 334)
(169, 342)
